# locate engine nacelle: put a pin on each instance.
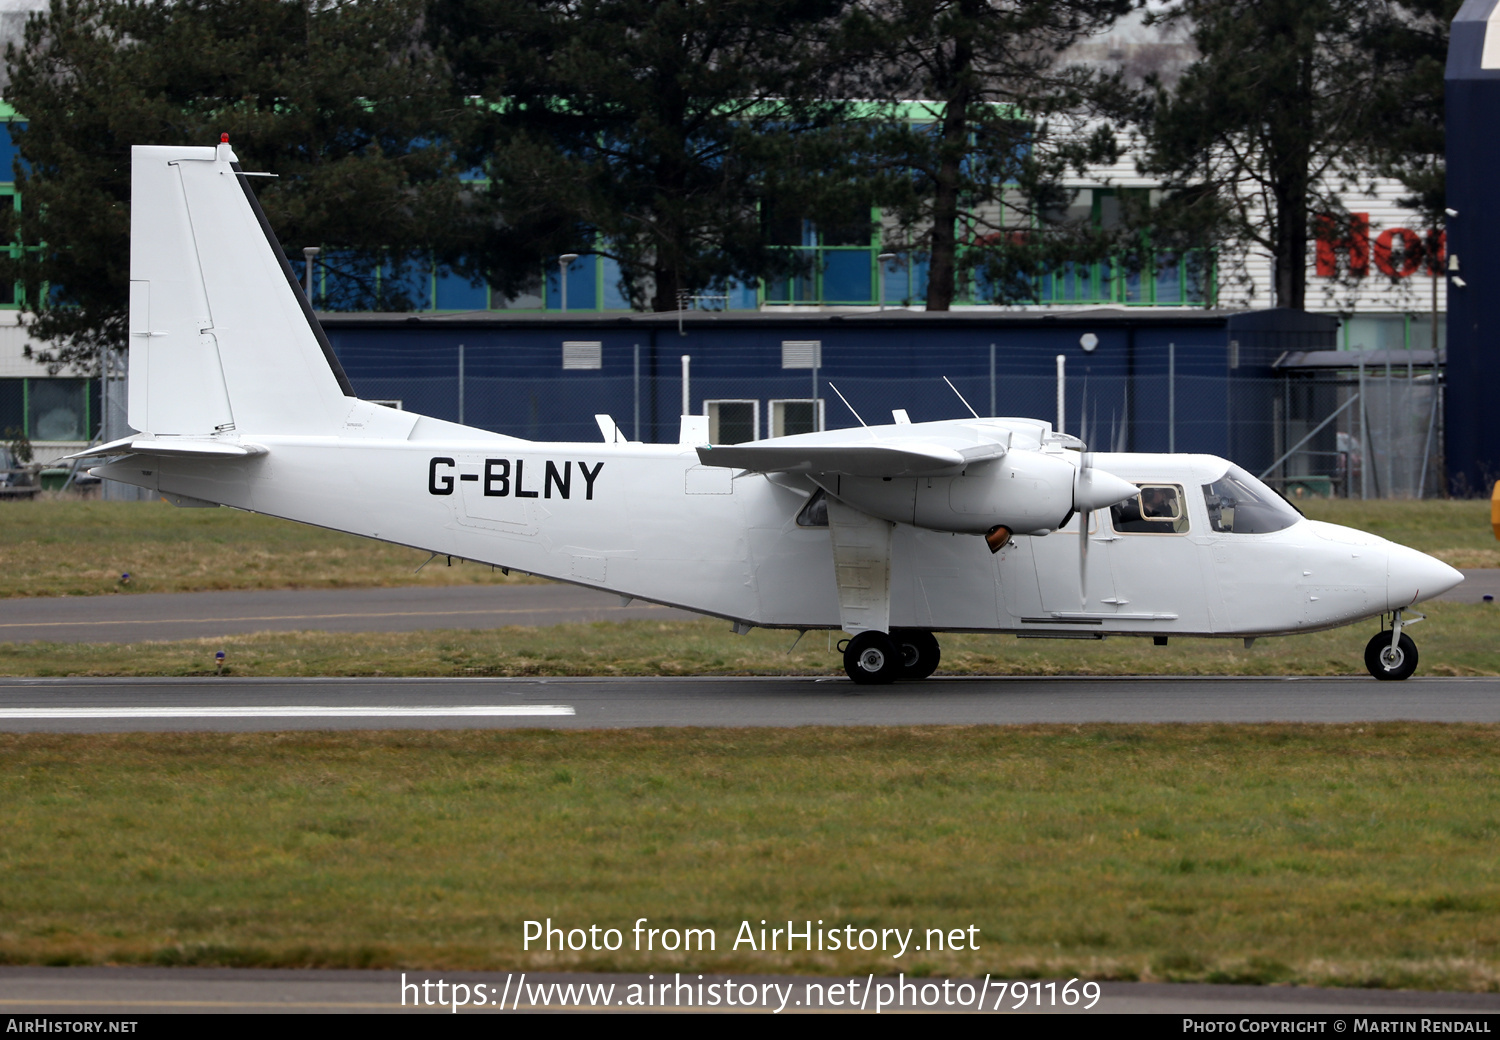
(1025, 491)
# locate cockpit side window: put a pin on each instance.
(1158, 509)
(1240, 504)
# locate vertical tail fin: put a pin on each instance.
(221, 337)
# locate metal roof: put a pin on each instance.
(1305, 359)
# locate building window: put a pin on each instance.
(732, 422)
(10, 292)
(796, 416)
(582, 354)
(12, 407)
(45, 409)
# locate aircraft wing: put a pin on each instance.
(854, 453)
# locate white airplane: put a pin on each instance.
(890, 533)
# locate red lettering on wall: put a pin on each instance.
(1333, 239)
(1351, 242)
(1410, 254)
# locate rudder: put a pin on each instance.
(222, 340)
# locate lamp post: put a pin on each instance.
(309, 253)
(883, 259)
(562, 276)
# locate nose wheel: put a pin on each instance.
(1392, 654)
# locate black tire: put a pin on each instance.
(919, 652)
(871, 659)
(1384, 663)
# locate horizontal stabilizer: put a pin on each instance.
(183, 447)
(901, 459)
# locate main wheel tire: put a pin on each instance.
(919, 652)
(1387, 663)
(872, 659)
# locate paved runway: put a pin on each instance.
(126, 991)
(118, 705)
(1477, 585)
(125, 618)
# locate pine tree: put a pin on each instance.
(1255, 139)
(340, 100)
(662, 133)
(969, 174)
(1407, 42)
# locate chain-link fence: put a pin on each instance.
(1328, 433)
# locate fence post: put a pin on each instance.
(460, 384)
(1364, 438)
(1171, 397)
(992, 380)
(817, 412)
(687, 396)
(1062, 402)
(1390, 431)
(635, 361)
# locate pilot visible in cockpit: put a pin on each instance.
(1158, 510)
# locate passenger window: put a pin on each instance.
(1158, 509)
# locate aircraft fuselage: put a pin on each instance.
(649, 521)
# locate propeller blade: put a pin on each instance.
(1093, 489)
(1083, 557)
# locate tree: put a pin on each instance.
(1407, 41)
(661, 133)
(1253, 140)
(340, 99)
(970, 174)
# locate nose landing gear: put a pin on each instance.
(1392, 654)
(874, 658)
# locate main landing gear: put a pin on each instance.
(1391, 654)
(875, 658)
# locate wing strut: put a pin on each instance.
(862, 567)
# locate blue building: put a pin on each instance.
(1135, 380)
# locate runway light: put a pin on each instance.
(125, 578)
(219, 663)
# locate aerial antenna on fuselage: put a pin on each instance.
(967, 405)
(846, 403)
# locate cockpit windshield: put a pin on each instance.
(1240, 504)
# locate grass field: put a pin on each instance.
(71, 548)
(1456, 531)
(1334, 855)
(1320, 855)
(1457, 639)
(81, 548)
